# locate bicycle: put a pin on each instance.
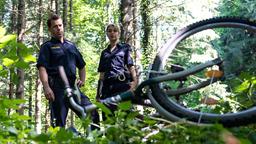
(206, 85)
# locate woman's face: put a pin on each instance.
(112, 33)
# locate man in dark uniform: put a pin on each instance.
(59, 51)
(116, 67)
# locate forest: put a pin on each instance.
(146, 25)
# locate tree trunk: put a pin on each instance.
(70, 15)
(20, 32)
(11, 87)
(57, 7)
(126, 15)
(13, 22)
(65, 13)
(38, 110)
(13, 27)
(38, 86)
(47, 118)
(146, 30)
(30, 91)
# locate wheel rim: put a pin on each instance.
(186, 111)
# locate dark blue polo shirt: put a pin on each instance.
(113, 63)
(54, 53)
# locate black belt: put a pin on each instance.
(60, 81)
(120, 77)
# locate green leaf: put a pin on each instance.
(8, 62)
(21, 64)
(125, 105)
(42, 138)
(244, 86)
(6, 39)
(23, 49)
(63, 135)
(11, 103)
(29, 58)
(2, 32)
(103, 108)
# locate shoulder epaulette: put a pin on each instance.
(45, 43)
(69, 42)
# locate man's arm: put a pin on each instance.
(44, 79)
(82, 76)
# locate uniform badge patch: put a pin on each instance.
(55, 47)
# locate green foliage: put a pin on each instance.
(13, 127)
(8, 54)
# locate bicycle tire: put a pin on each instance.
(173, 111)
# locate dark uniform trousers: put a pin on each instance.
(112, 87)
(60, 106)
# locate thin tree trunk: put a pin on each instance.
(13, 27)
(13, 22)
(47, 118)
(57, 7)
(38, 110)
(11, 87)
(30, 91)
(65, 13)
(71, 15)
(20, 31)
(38, 86)
(134, 24)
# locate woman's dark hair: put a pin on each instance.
(114, 26)
(53, 17)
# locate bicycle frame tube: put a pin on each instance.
(128, 95)
(177, 75)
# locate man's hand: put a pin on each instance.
(79, 83)
(49, 94)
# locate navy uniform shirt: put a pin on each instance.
(115, 62)
(54, 53)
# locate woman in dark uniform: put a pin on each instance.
(116, 67)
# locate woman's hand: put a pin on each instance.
(133, 85)
(80, 83)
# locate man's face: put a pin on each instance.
(57, 29)
(112, 33)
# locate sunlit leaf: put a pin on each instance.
(11, 103)
(244, 86)
(2, 32)
(29, 58)
(23, 117)
(5, 39)
(8, 62)
(1, 67)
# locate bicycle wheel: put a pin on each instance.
(220, 92)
